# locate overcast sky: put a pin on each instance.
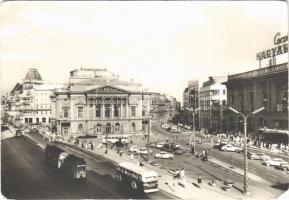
(161, 45)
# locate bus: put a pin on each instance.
(137, 178)
(115, 138)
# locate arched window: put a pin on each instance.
(133, 126)
(80, 128)
(117, 127)
(108, 128)
(98, 128)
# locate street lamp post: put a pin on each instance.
(194, 128)
(245, 144)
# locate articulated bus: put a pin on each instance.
(137, 178)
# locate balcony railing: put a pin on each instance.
(260, 72)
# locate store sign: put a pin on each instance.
(282, 47)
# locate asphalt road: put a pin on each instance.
(25, 176)
(275, 178)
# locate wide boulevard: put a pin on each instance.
(25, 176)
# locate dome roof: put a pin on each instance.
(33, 76)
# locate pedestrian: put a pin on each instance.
(177, 174)
(91, 146)
(193, 150)
(105, 151)
(131, 156)
(199, 181)
(206, 155)
(182, 176)
(82, 145)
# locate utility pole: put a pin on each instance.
(148, 145)
(246, 181)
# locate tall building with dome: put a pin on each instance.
(30, 102)
(97, 102)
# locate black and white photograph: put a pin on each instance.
(144, 100)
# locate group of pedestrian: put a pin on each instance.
(180, 175)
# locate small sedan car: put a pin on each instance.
(164, 155)
(274, 162)
(258, 156)
(229, 147)
(283, 166)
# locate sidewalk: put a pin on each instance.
(172, 187)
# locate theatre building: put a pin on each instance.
(264, 87)
(97, 102)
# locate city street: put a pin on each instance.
(27, 176)
(272, 175)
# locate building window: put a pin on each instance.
(224, 92)
(117, 127)
(116, 111)
(65, 113)
(107, 110)
(97, 110)
(98, 128)
(80, 128)
(43, 119)
(133, 127)
(133, 111)
(26, 120)
(30, 121)
(80, 112)
(37, 120)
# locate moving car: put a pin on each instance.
(229, 147)
(283, 166)
(258, 156)
(164, 155)
(274, 162)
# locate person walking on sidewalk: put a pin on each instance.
(199, 181)
(182, 176)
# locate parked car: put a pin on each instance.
(175, 146)
(258, 156)
(160, 145)
(227, 186)
(164, 155)
(153, 163)
(274, 162)
(283, 166)
(143, 151)
(219, 145)
(180, 151)
(229, 147)
(133, 149)
(173, 171)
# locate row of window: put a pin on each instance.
(30, 120)
(98, 110)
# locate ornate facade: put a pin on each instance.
(96, 102)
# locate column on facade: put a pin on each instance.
(120, 109)
(125, 108)
(102, 110)
(112, 108)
